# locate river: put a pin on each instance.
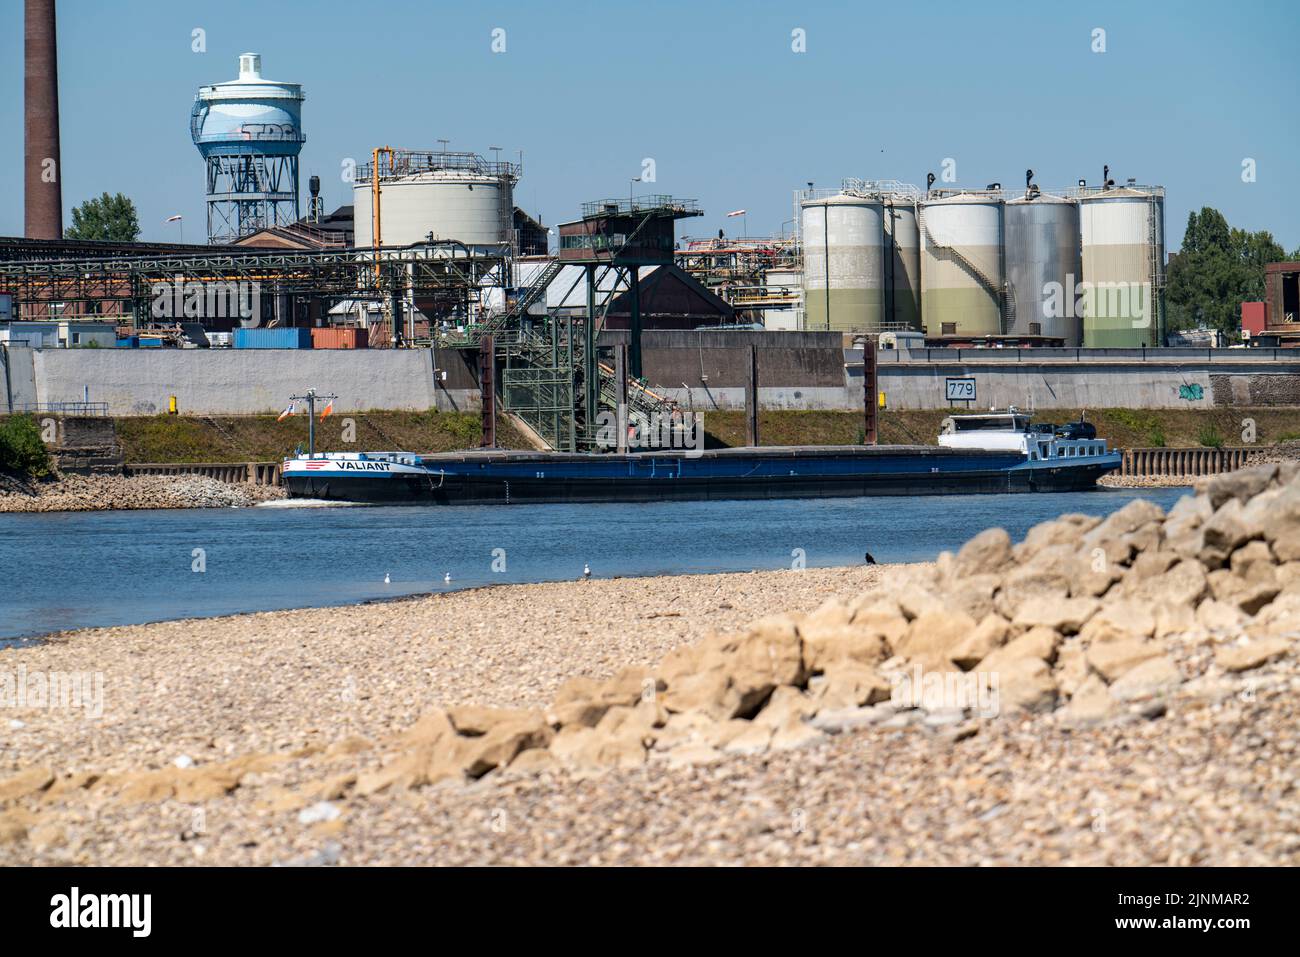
(83, 569)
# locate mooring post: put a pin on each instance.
(870, 406)
(751, 399)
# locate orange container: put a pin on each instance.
(328, 338)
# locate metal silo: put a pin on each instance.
(249, 131)
(457, 196)
(1042, 265)
(962, 282)
(1123, 232)
(843, 274)
(902, 264)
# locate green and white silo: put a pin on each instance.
(1123, 238)
(962, 279)
(843, 274)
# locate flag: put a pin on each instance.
(739, 212)
(292, 410)
(327, 410)
(172, 219)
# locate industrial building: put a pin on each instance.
(1082, 266)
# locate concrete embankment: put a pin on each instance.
(1117, 691)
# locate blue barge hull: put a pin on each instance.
(501, 478)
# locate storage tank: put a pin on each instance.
(902, 264)
(962, 281)
(1123, 234)
(456, 196)
(843, 262)
(1043, 266)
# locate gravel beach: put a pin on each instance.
(90, 493)
(1146, 714)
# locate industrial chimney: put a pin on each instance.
(43, 169)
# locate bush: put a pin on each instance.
(1210, 437)
(21, 448)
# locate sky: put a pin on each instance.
(1182, 94)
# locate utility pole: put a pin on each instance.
(310, 398)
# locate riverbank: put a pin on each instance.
(88, 493)
(1144, 713)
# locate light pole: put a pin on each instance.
(180, 221)
(631, 203)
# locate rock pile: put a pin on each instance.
(86, 493)
(1085, 621)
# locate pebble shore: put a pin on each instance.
(90, 493)
(1148, 714)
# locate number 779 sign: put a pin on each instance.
(960, 390)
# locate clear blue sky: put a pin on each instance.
(710, 90)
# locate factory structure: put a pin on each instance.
(433, 252)
(1077, 267)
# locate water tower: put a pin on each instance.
(249, 131)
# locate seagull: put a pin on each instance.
(387, 580)
(447, 578)
(586, 570)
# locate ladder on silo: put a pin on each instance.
(1004, 293)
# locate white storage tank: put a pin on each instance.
(843, 271)
(1043, 265)
(962, 281)
(451, 196)
(1123, 234)
(902, 264)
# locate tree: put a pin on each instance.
(108, 219)
(1217, 269)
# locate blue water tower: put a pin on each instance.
(249, 131)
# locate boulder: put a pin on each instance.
(1091, 704)
(1065, 615)
(1240, 485)
(1225, 532)
(1155, 676)
(1112, 659)
(990, 634)
(1244, 657)
(1038, 642)
(826, 645)
(1025, 684)
(849, 684)
(986, 553)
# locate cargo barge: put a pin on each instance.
(977, 455)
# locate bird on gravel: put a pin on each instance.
(870, 560)
(586, 570)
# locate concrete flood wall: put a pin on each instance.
(705, 370)
(252, 381)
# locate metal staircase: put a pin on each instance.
(1004, 293)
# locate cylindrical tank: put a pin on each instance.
(902, 264)
(458, 204)
(843, 262)
(249, 115)
(1123, 233)
(1042, 264)
(961, 264)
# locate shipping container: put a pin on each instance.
(150, 342)
(273, 338)
(329, 338)
(130, 342)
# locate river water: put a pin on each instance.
(82, 569)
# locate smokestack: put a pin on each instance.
(43, 169)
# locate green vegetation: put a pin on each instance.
(1210, 437)
(21, 448)
(260, 438)
(107, 219)
(1217, 269)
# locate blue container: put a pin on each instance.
(130, 342)
(150, 343)
(272, 338)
